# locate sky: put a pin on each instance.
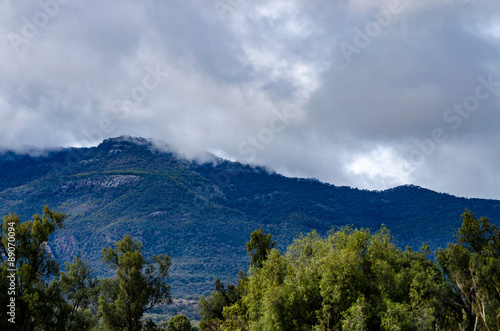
(363, 93)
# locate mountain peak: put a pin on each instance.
(127, 139)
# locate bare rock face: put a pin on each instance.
(101, 182)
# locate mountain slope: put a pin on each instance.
(202, 214)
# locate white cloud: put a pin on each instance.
(381, 167)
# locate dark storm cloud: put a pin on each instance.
(359, 93)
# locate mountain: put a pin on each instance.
(201, 214)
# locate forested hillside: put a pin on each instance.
(351, 279)
(202, 214)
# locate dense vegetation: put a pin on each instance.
(203, 213)
(357, 280)
(351, 279)
(39, 297)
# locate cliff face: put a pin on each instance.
(202, 214)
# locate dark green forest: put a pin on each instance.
(349, 279)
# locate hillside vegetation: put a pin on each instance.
(351, 279)
(201, 214)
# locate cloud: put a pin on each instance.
(344, 92)
(382, 166)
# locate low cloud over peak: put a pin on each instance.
(371, 94)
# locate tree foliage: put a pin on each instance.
(179, 323)
(472, 267)
(44, 301)
(138, 286)
(258, 247)
(80, 289)
(211, 308)
(354, 279)
(39, 304)
(350, 280)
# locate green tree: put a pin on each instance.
(138, 286)
(258, 247)
(80, 289)
(472, 266)
(352, 279)
(211, 307)
(234, 318)
(39, 304)
(179, 323)
(357, 280)
(149, 325)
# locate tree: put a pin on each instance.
(149, 325)
(258, 247)
(211, 308)
(234, 318)
(138, 286)
(80, 289)
(24, 247)
(472, 266)
(352, 279)
(179, 323)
